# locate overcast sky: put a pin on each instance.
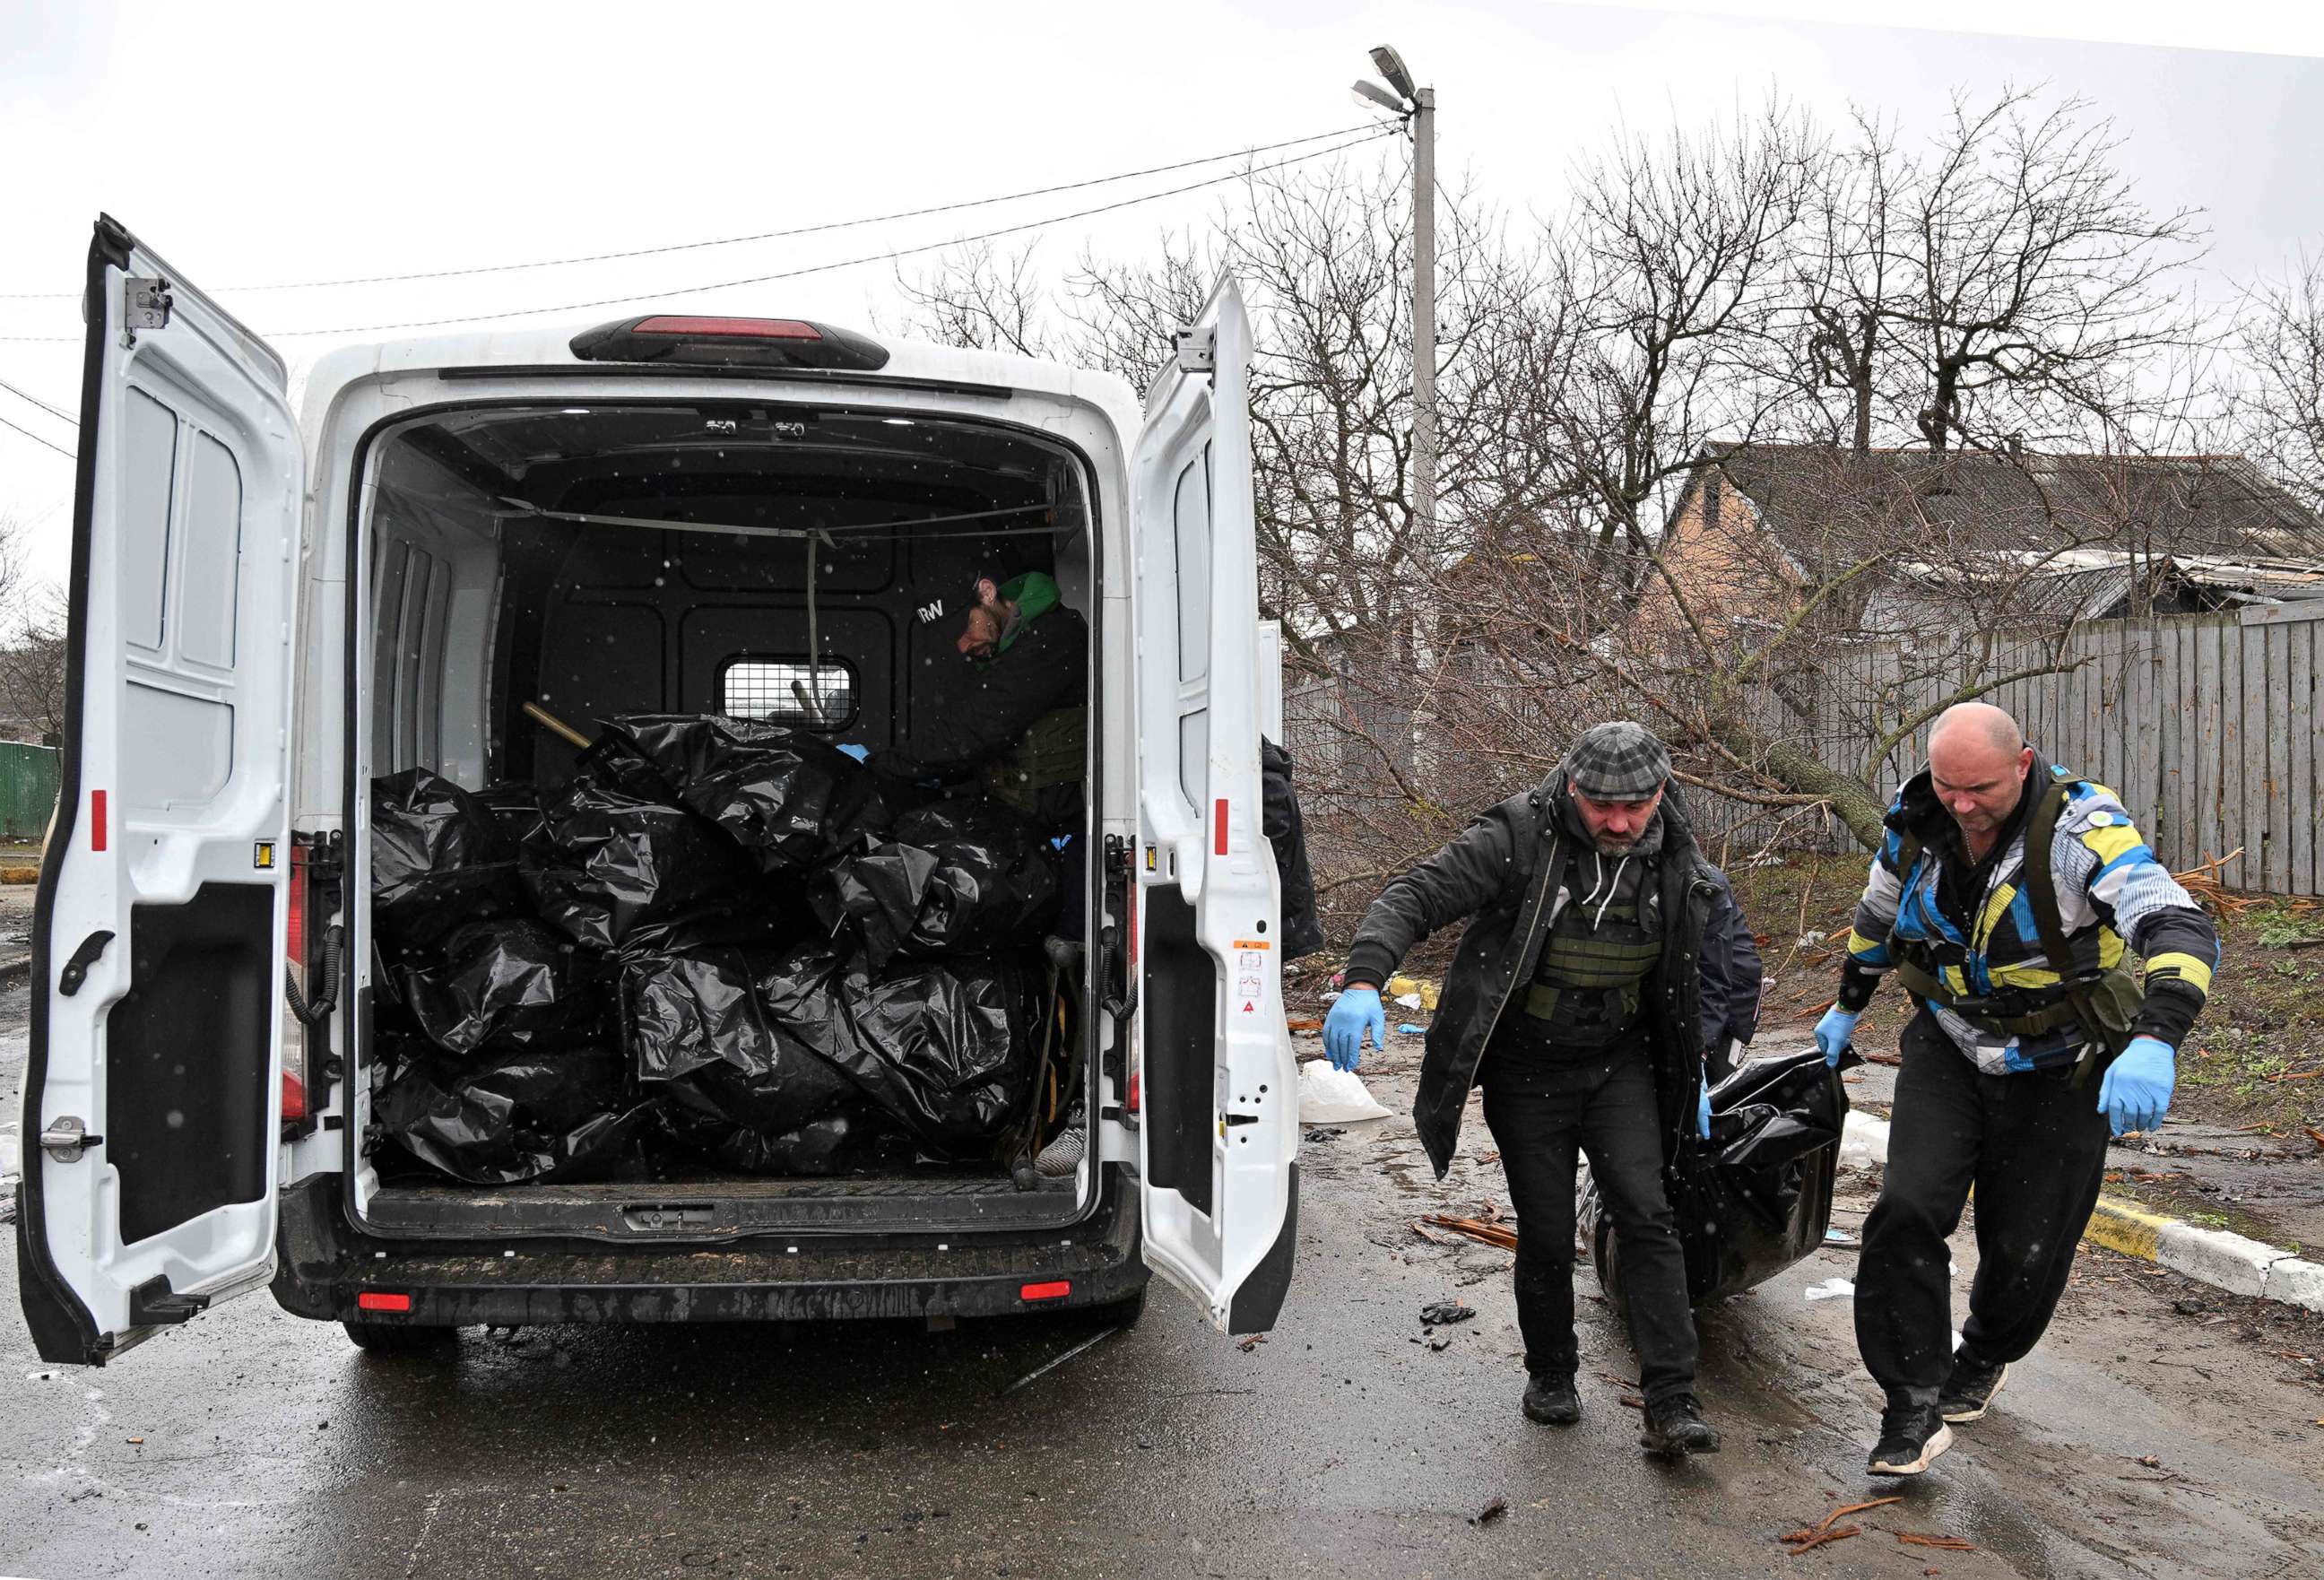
(307, 140)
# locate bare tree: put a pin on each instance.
(1851, 274)
(2280, 406)
(2040, 275)
(32, 668)
(1671, 257)
(980, 300)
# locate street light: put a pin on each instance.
(1417, 105)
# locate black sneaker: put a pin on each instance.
(1676, 1426)
(1911, 1435)
(1552, 1402)
(1969, 1391)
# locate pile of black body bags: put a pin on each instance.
(722, 943)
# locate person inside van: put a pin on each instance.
(1018, 714)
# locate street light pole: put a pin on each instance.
(1417, 105)
(1424, 311)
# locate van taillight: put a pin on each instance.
(746, 328)
(377, 1300)
(294, 964)
(724, 342)
(1056, 1290)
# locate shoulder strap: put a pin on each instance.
(2038, 882)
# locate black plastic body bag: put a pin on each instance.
(1756, 1196)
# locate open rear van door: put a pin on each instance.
(152, 1090)
(1218, 1140)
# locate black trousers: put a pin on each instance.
(2035, 1147)
(1543, 1109)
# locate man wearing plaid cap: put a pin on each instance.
(1602, 952)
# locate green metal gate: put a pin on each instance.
(28, 790)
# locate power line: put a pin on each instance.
(731, 241)
(36, 439)
(662, 295)
(36, 400)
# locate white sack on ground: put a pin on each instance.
(1330, 1097)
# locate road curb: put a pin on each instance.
(2225, 1260)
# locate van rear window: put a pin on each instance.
(781, 690)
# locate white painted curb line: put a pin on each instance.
(2216, 1257)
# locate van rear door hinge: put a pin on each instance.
(1198, 349)
(145, 304)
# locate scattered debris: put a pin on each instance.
(1492, 1511)
(1815, 1536)
(1833, 1289)
(1410, 1000)
(2314, 1135)
(1247, 1344)
(1047, 1367)
(1317, 1137)
(1410, 1029)
(1837, 1237)
(1916, 1538)
(1868, 1057)
(1478, 1229)
(1423, 988)
(1302, 1023)
(139, 1441)
(1438, 1312)
(2151, 1461)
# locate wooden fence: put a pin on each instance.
(2207, 726)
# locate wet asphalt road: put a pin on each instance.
(251, 1443)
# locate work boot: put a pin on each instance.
(1676, 1426)
(1969, 1391)
(1911, 1435)
(1550, 1400)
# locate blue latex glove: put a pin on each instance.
(1354, 1011)
(2137, 1085)
(1702, 1111)
(860, 753)
(1833, 1032)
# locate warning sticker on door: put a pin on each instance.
(1250, 978)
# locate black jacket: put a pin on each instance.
(1731, 973)
(1502, 872)
(1287, 835)
(984, 708)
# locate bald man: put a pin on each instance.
(2017, 1064)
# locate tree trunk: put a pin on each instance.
(1803, 773)
(1862, 390)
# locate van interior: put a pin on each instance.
(806, 566)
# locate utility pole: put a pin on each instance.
(1417, 105)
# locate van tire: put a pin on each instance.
(403, 1338)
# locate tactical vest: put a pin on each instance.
(1590, 989)
(1053, 751)
(2100, 1003)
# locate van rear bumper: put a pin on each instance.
(323, 1263)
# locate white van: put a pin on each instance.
(271, 607)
